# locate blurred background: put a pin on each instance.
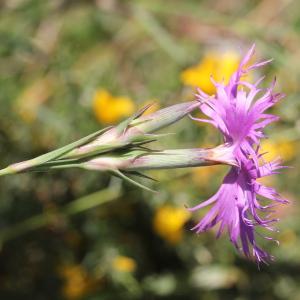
(68, 68)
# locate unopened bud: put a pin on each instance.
(135, 130)
(168, 159)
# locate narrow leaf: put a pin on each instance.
(128, 179)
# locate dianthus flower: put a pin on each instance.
(238, 112)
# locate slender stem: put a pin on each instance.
(7, 171)
(77, 206)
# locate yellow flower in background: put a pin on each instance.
(282, 148)
(219, 65)
(32, 97)
(124, 264)
(77, 283)
(109, 109)
(168, 222)
(203, 176)
(288, 238)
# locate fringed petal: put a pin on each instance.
(241, 118)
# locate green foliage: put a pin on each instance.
(64, 235)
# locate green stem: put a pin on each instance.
(77, 206)
(7, 171)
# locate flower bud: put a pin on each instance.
(138, 160)
(135, 130)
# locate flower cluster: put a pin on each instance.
(238, 112)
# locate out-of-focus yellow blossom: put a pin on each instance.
(77, 283)
(202, 176)
(124, 264)
(168, 222)
(219, 65)
(109, 109)
(283, 148)
(288, 237)
(32, 98)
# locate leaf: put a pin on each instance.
(136, 173)
(119, 174)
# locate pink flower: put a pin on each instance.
(238, 112)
